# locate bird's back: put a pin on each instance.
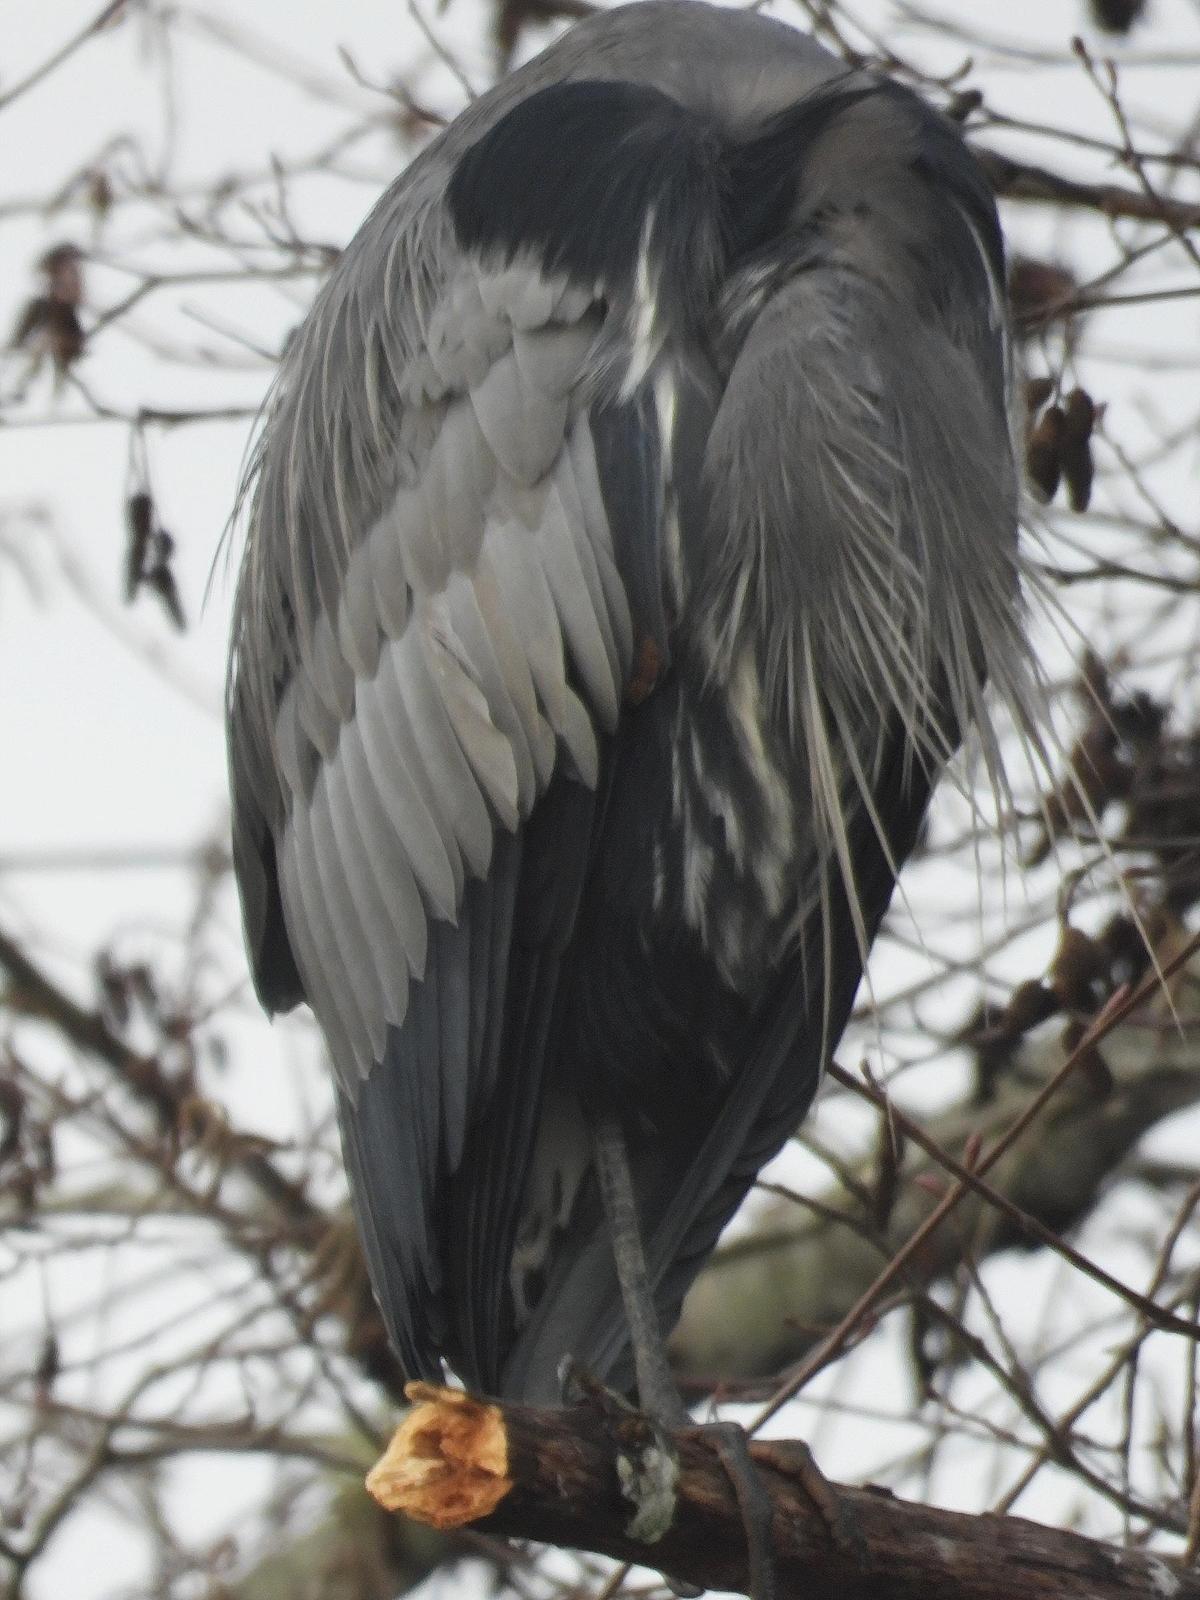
(630, 538)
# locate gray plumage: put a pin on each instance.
(631, 534)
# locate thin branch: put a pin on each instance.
(1023, 180)
(63, 53)
(39, 995)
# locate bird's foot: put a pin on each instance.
(793, 1458)
(731, 1443)
(647, 1462)
(648, 1471)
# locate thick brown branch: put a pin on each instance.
(555, 1476)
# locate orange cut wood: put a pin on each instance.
(447, 1464)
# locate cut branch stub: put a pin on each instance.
(447, 1464)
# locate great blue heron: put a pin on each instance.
(631, 534)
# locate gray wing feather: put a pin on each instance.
(367, 988)
(331, 674)
(383, 723)
(395, 910)
(514, 566)
(524, 298)
(331, 942)
(512, 662)
(522, 425)
(444, 871)
(367, 746)
(579, 480)
(488, 752)
(319, 967)
(575, 585)
(594, 553)
(476, 645)
(441, 757)
(427, 552)
(389, 579)
(549, 359)
(358, 626)
(457, 479)
(455, 965)
(318, 723)
(345, 816)
(465, 338)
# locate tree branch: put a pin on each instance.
(556, 1475)
(1023, 180)
(764, 1301)
(34, 992)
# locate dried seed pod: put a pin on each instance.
(49, 327)
(161, 580)
(1031, 1002)
(1079, 410)
(1078, 473)
(1075, 450)
(149, 553)
(12, 1118)
(1091, 1067)
(1038, 290)
(62, 268)
(99, 193)
(1043, 453)
(1077, 973)
(46, 1371)
(139, 526)
(1116, 16)
(1094, 684)
(1037, 392)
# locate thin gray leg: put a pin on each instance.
(657, 1392)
